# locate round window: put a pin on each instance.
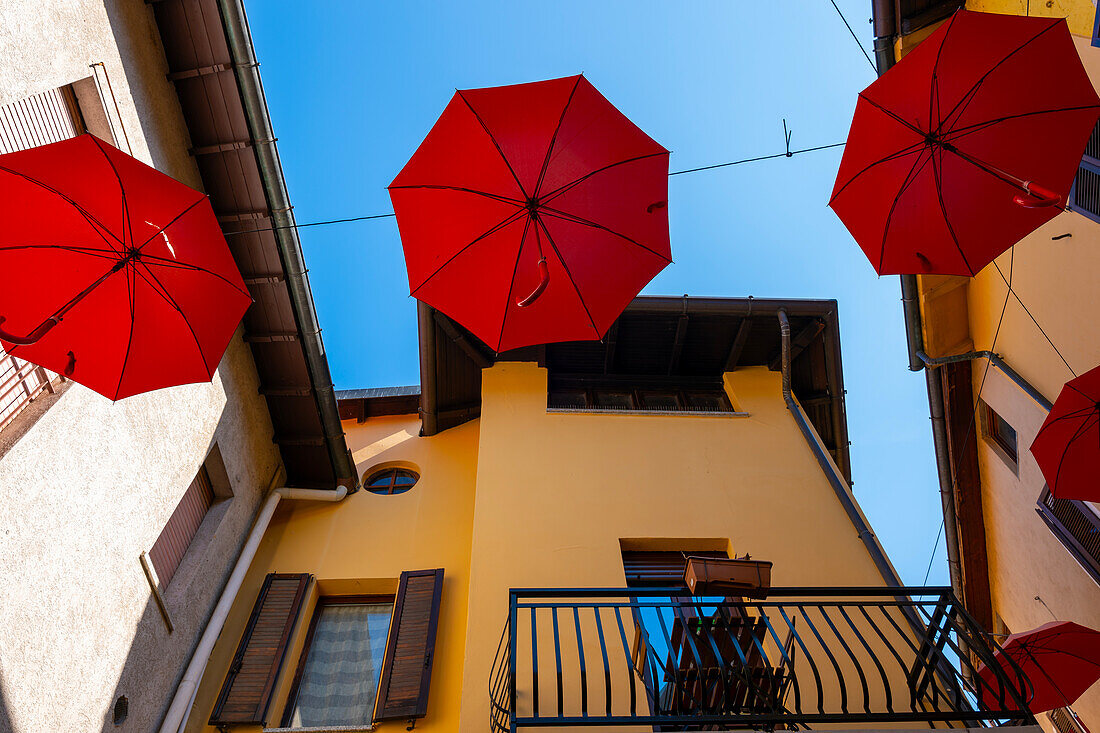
(391, 481)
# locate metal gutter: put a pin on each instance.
(885, 24)
(840, 487)
(995, 360)
(239, 40)
(425, 319)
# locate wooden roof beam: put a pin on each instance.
(804, 338)
(738, 344)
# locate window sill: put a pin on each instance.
(365, 728)
(646, 413)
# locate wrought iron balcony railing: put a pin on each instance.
(805, 657)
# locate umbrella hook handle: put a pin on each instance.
(1037, 197)
(31, 337)
(544, 275)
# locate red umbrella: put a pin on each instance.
(1067, 447)
(111, 272)
(966, 145)
(1060, 659)
(533, 213)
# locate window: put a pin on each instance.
(391, 481)
(1065, 720)
(1084, 197)
(51, 116)
(999, 435)
(589, 395)
(1077, 527)
(366, 658)
(341, 663)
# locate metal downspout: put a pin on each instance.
(995, 360)
(886, 25)
(840, 486)
(426, 324)
(286, 236)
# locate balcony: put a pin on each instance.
(803, 658)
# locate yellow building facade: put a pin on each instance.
(1025, 558)
(581, 467)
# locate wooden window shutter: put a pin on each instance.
(407, 668)
(659, 568)
(168, 551)
(245, 696)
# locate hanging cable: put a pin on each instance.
(786, 154)
(935, 546)
(855, 38)
(1026, 310)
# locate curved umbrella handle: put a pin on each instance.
(1037, 197)
(544, 274)
(31, 337)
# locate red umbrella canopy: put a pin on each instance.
(111, 272)
(1060, 659)
(533, 213)
(1067, 447)
(966, 145)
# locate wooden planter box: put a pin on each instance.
(714, 576)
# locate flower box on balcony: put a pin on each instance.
(741, 576)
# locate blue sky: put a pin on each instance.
(354, 86)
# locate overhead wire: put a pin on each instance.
(855, 37)
(786, 154)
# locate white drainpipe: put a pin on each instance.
(176, 718)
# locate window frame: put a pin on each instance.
(1089, 563)
(990, 421)
(1087, 162)
(392, 487)
(684, 397)
(322, 603)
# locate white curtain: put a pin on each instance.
(340, 677)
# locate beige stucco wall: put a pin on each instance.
(91, 484)
(1057, 282)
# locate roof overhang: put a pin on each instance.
(212, 63)
(667, 337)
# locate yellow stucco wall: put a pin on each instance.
(1078, 13)
(361, 546)
(1057, 282)
(524, 497)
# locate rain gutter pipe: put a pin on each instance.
(176, 717)
(995, 360)
(885, 21)
(832, 473)
(286, 236)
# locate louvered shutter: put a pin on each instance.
(170, 547)
(245, 696)
(407, 669)
(660, 568)
(1085, 196)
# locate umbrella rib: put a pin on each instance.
(90, 251)
(130, 289)
(565, 187)
(1082, 414)
(909, 178)
(943, 210)
(162, 291)
(126, 223)
(176, 218)
(893, 115)
(972, 91)
(1081, 430)
(570, 275)
(165, 262)
(554, 138)
(565, 216)
(512, 284)
(914, 148)
(933, 86)
(494, 141)
(514, 216)
(495, 197)
(96, 224)
(961, 132)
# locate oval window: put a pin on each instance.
(391, 481)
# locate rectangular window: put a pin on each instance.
(175, 538)
(341, 663)
(596, 395)
(1084, 197)
(999, 435)
(1077, 527)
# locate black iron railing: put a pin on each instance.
(805, 657)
